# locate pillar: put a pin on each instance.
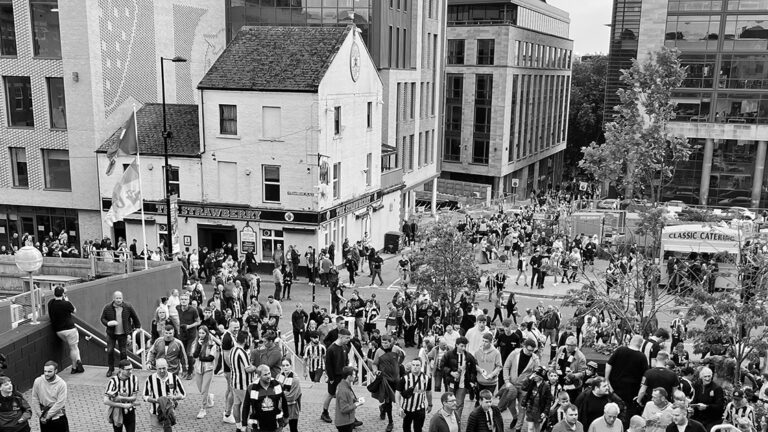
(522, 190)
(434, 198)
(406, 207)
(757, 179)
(497, 189)
(536, 176)
(706, 170)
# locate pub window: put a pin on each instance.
(270, 240)
(271, 177)
(173, 180)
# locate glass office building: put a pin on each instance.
(723, 104)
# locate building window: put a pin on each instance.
(271, 122)
(7, 29)
(228, 119)
(45, 28)
(19, 167)
(56, 105)
(456, 51)
(485, 48)
(173, 180)
(412, 105)
(452, 149)
(56, 167)
(270, 240)
(369, 115)
(271, 174)
(336, 180)
(368, 168)
(480, 151)
(18, 93)
(411, 149)
(389, 158)
(337, 120)
(455, 87)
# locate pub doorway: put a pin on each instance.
(213, 236)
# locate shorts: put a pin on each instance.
(332, 387)
(71, 336)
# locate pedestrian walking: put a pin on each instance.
(486, 417)
(447, 419)
(169, 348)
(336, 358)
(163, 390)
(189, 320)
(15, 411)
(50, 392)
(347, 402)
(415, 397)
(121, 320)
(265, 407)
(60, 312)
(292, 388)
(314, 358)
(376, 263)
(205, 352)
(121, 398)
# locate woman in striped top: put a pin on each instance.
(205, 350)
(292, 389)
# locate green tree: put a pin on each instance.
(640, 152)
(446, 263)
(585, 115)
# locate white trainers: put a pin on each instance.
(228, 418)
(202, 413)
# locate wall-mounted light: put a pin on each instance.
(247, 171)
(75, 76)
(150, 167)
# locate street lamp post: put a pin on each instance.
(166, 136)
(29, 259)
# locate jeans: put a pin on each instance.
(375, 273)
(122, 342)
(61, 424)
(460, 394)
(416, 418)
(129, 422)
(298, 341)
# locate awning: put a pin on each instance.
(361, 213)
(386, 149)
(701, 238)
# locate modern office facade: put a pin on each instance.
(405, 40)
(723, 104)
(508, 78)
(71, 72)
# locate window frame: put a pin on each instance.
(453, 51)
(336, 180)
(487, 58)
(48, 81)
(15, 165)
(270, 183)
(11, 98)
(174, 179)
(369, 113)
(223, 119)
(3, 38)
(47, 170)
(368, 169)
(34, 39)
(337, 120)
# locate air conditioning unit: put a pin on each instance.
(17, 315)
(514, 182)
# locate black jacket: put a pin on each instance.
(451, 364)
(129, 317)
(478, 422)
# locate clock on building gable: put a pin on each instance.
(354, 62)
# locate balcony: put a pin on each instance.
(392, 179)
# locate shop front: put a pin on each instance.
(40, 222)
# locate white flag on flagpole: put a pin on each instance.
(126, 197)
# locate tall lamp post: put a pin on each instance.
(29, 259)
(166, 136)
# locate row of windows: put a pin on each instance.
(418, 151)
(398, 48)
(722, 107)
(506, 14)
(45, 28)
(736, 71)
(429, 50)
(529, 54)
(537, 21)
(271, 120)
(716, 5)
(485, 51)
(55, 168)
(406, 100)
(741, 32)
(19, 107)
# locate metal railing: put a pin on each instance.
(23, 309)
(100, 259)
(92, 337)
(357, 359)
(296, 360)
(139, 346)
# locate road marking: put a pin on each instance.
(392, 286)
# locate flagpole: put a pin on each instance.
(141, 193)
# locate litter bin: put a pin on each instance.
(391, 242)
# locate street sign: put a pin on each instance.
(247, 239)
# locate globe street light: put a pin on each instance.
(29, 259)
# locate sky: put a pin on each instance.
(588, 19)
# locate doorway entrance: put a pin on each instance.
(214, 235)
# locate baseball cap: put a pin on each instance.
(738, 394)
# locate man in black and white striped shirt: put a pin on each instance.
(241, 373)
(159, 384)
(314, 357)
(415, 397)
(121, 392)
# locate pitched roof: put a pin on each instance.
(182, 120)
(276, 58)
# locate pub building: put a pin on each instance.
(288, 152)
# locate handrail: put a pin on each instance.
(140, 349)
(295, 358)
(91, 336)
(357, 357)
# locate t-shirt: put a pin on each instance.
(522, 362)
(627, 369)
(562, 426)
(507, 343)
(661, 377)
(119, 318)
(335, 360)
(599, 425)
(60, 312)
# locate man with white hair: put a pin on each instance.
(159, 384)
(709, 401)
(607, 423)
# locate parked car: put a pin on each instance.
(608, 204)
(741, 201)
(742, 213)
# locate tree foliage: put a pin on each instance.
(736, 319)
(585, 115)
(640, 152)
(446, 264)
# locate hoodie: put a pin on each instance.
(13, 408)
(51, 395)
